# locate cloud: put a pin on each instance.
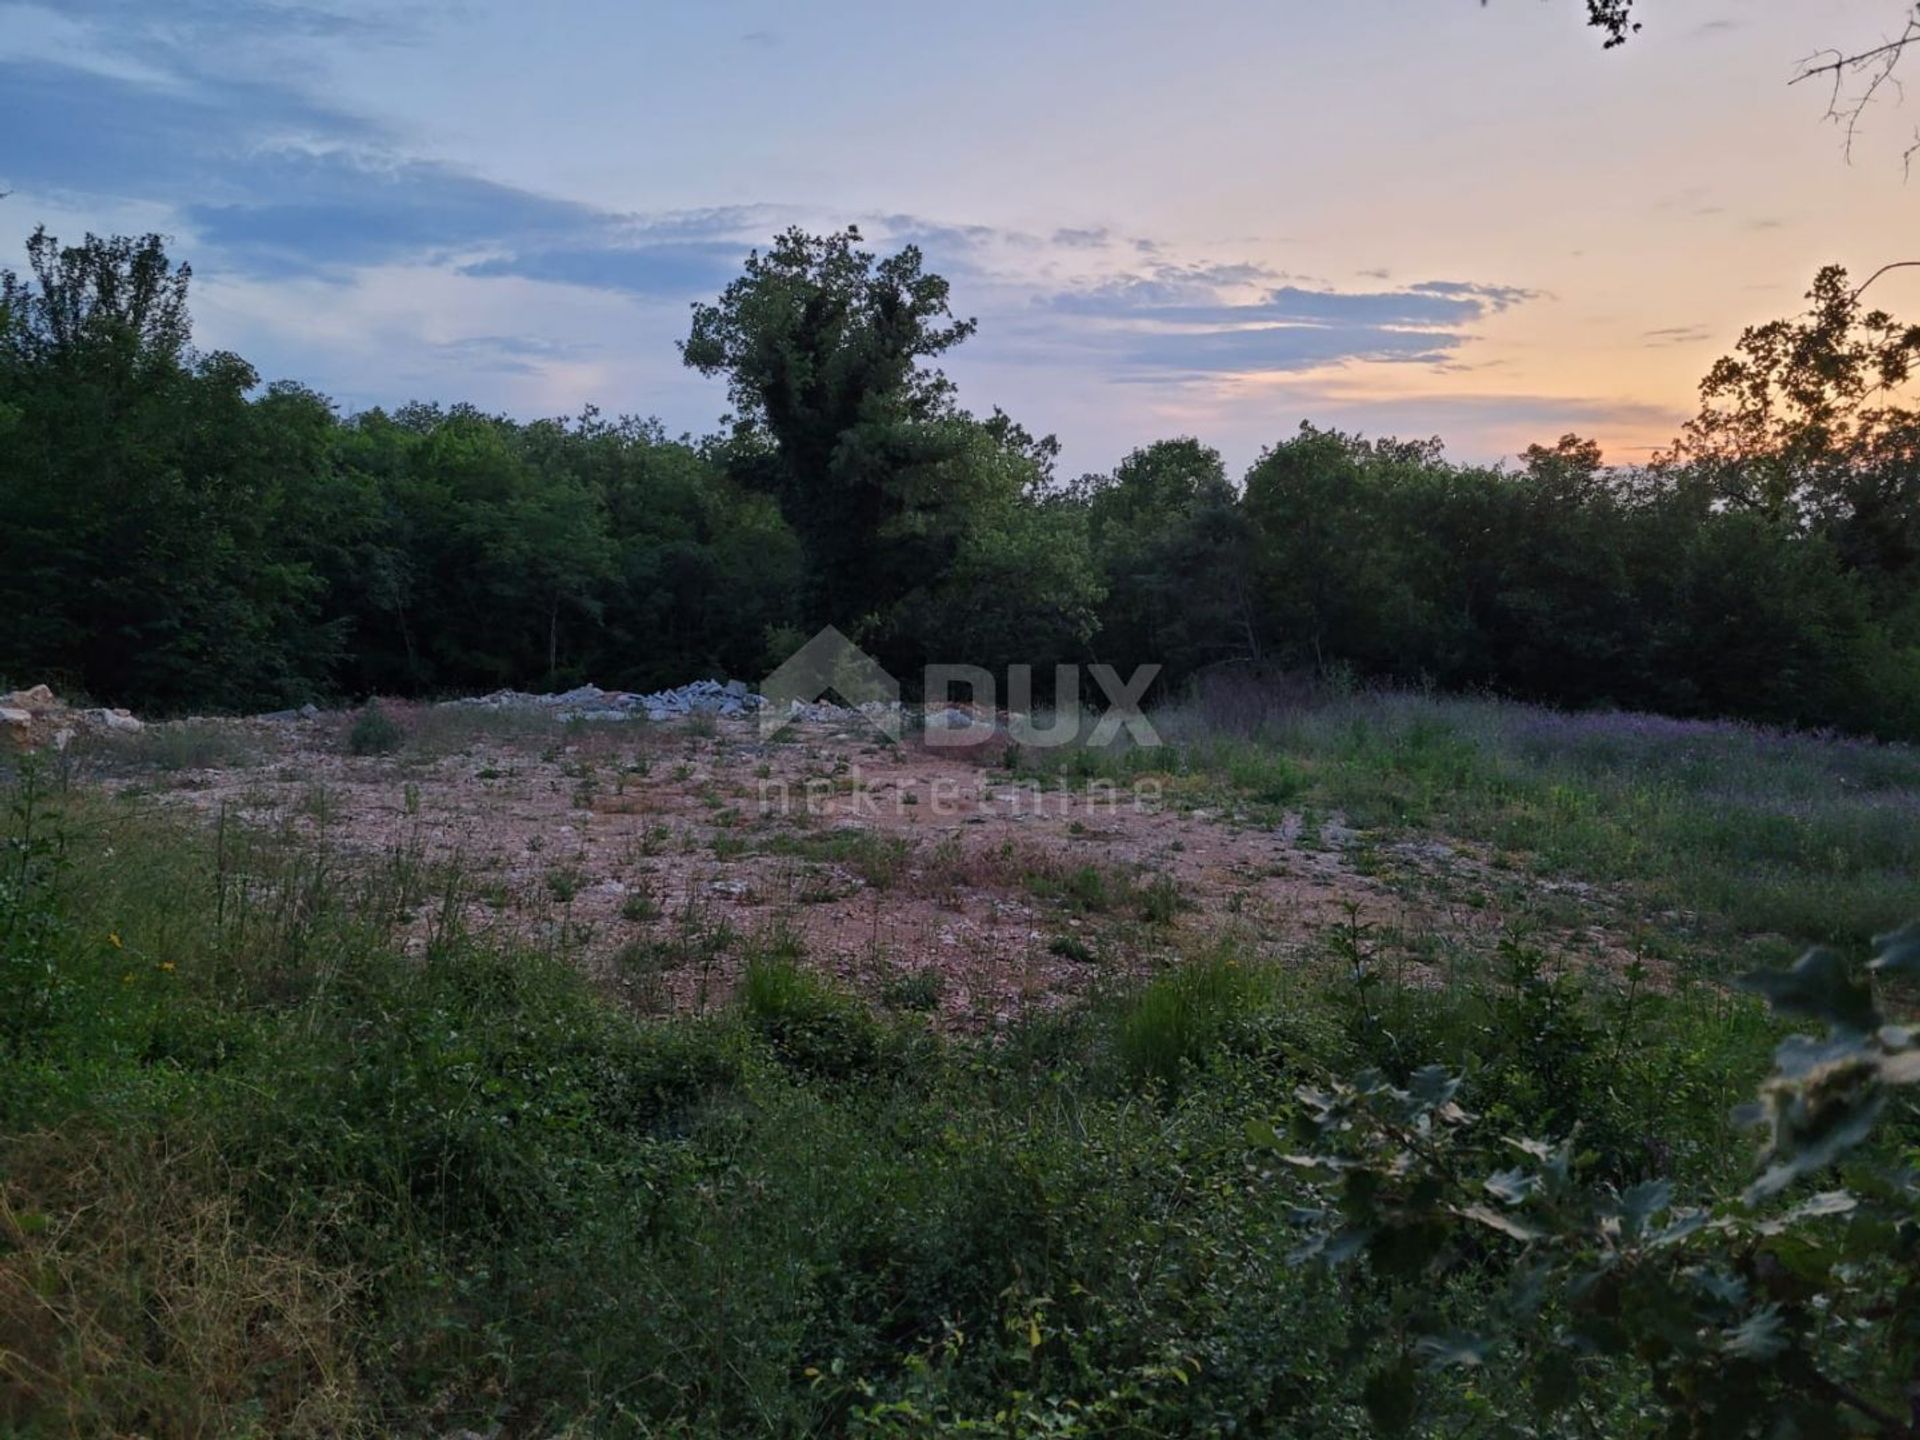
(1281, 347)
(331, 247)
(673, 270)
(325, 211)
(1677, 335)
(273, 184)
(74, 128)
(1221, 319)
(1494, 298)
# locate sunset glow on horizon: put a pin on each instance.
(1439, 219)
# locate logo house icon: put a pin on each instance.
(830, 665)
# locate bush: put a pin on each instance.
(374, 732)
(812, 1027)
(1171, 1024)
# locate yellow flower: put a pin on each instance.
(113, 939)
(167, 965)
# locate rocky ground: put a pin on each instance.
(929, 875)
(36, 719)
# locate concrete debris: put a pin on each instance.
(37, 718)
(728, 700)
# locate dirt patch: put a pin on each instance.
(661, 855)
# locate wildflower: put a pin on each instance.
(113, 939)
(167, 966)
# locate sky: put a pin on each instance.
(1217, 217)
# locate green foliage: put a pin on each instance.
(1180, 1017)
(261, 1167)
(821, 343)
(32, 986)
(1738, 1315)
(811, 1026)
(173, 538)
(1172, 543)
(374, 732)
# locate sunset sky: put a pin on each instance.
(1220, 218)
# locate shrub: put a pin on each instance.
(374, 732)
(1172, 1023)
(1747, 1313)
(811, 1026)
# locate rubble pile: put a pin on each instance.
(731, 699)
(589, 702)
(37, 718)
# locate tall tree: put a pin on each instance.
(1814, 422)
(1170, 535)
(822, 344)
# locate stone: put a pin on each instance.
(38, 698)
(120, 722)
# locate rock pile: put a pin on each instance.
(589, 702)
(731, 699)
(36, 718)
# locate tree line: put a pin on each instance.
(176, 537)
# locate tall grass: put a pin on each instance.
(1749, 831)
(276, 1158)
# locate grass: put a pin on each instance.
(1173, 1023)
(1730, 833)
(286, 1150)
(877, 859)
(173, 747)
(374, 732)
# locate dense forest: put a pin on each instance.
(175, 536)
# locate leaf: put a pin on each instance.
(1727, 1289)
(1452, 1351)
(1262, 1136)
(1844, 1122)
(1334, 1249)
(1822, 986)
(1434, 1086)
(1827, 1202)
(1761, 1336)
(1504, 1223)
(1898, 951)
(1685, 1223)
(1511, 1186)
(1642, 1202)
(1800, 1055)
(1389, 1396)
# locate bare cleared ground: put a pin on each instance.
(659, 856)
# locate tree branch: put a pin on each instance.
(1877, 63)
(1861, 289)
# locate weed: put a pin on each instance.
(917, 990)
(374, 732)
